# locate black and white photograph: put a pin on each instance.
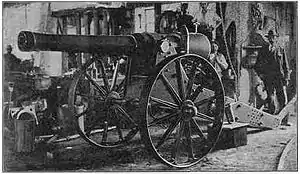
(152, 86)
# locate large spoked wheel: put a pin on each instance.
(99, 108)
(183, 108)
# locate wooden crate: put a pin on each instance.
(60, 155)
(232, 135)
(24, 135)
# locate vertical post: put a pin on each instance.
(64, 54)
(96, 22)
(227, 51)
(87, 28)
(100, 21)
(78, 32)
(87, 31)
(96, 32)
(157, 13)
(105, 22)
(78, 23)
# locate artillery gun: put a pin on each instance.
(176, 102)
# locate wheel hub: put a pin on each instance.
(188, 110)
(111, 97)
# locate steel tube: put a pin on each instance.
(30, 41)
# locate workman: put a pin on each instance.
(217, 59)
(11, 62)
(185, 19)
(273, 68)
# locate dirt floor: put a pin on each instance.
(261, 153)
(292, 163)
(289, 160)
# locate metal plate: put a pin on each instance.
(253, 116)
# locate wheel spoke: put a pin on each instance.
(180, 80)
(104, 136)
(90, 128)
(196, 93)
(177, 141)
(120, 132)
(189, 140)
(198, 129)
(94, 123)
(104, 76)
(119, 87)
(115, 76)
(117, 122)
(192, 76)
(83, 113)
(167, 133)
(164, 103)
(201, 71)
(205, 117)
(125, 115)
(170, 89)
(91, 96)
(161, 119)
(132, 132)
(201, 102)
(99, 88)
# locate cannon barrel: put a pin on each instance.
(31, 41)
(140, 43)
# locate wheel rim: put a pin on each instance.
(183, 112)
(99, 107)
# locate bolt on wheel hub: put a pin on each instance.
(188, 110)
(112, 96)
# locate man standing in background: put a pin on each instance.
(217, 59)
(11, 62)
(273, 68)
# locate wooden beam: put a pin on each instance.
(100, 14)
(70, 12)
(87, 31)
(96, 22)
(105, 22)
(78, 23)
(78, 32)
(73, 12)
(157, 13)
(59, 29)
(64, 54)
(87, 27)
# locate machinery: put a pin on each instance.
(160, 85)
(34, 96)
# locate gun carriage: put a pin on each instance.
(175, 99)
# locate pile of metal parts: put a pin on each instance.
(32, 96)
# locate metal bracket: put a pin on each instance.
(16, 112)
(255, 117)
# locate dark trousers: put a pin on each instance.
(274, 85)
